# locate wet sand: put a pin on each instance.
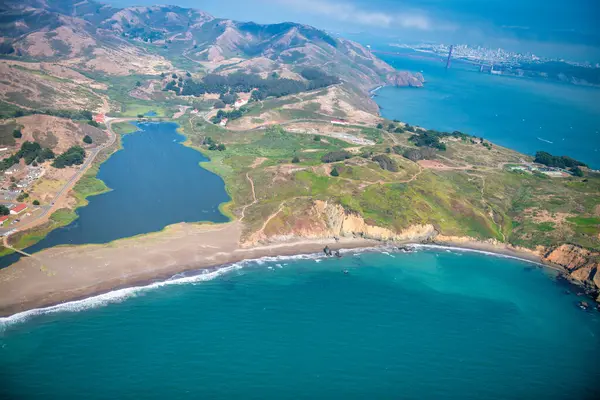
(66, 273)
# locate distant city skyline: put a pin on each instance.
(550, 28)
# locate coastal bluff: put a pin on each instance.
(581, 265)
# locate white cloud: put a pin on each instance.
(348, 12)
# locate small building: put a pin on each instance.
(99, 118)
(194, 111)
(239, 103)
(15, 169)
(339, 122)
(18, 209)
(223, 122)
(3, 219)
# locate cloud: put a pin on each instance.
(348, 12)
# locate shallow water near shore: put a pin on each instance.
(435, 323)
(155, 181)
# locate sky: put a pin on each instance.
(551, 28)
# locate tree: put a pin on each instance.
(87, 139)
(138, 84)
(17, 134)
(399, 130)
(295, 160)
(391, 127)
(4, 210)
(577, 171)
(221, 147)
(36, 202)
(334, 172)
(317, 138)
(219, 104)
(140, 116)
(73, 156)
(380, 126)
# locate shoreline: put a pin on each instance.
(147, 277)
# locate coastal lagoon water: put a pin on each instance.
(523, 114)
(155, 181)
(433, 324)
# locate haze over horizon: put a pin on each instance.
(522, 26)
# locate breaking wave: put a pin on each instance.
(198, 276)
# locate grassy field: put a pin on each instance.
(480, 198)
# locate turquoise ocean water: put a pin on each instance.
(433, 324)
(527, 115)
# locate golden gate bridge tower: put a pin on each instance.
(449, 56)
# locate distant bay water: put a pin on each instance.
(155, 181)
(523, 114)
(433, 324)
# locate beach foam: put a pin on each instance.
(204, 275)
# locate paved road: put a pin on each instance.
(68, 185)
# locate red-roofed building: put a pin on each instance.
(18, 209)
(3, 219)
(99, 118)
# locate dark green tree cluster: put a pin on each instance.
(334, 172)
(241, 82)
(4, 210)
(87, 139)
(212, 145)
(542, 157)
(431, 138)
(30, 152)
(147, 35)
(385, 162)
(233, 114)
(335, 156)
(17, 134)
(73, 156)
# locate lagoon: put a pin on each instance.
(155, 181)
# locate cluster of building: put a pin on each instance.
(550, 171)
(15, 209)
(19, 177)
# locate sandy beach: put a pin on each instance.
(66, 273)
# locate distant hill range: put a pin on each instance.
(91, 36)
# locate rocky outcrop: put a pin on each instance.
(328, 220)
(581, 265)
(404, 78)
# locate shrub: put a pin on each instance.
(334, 172)
(385, 162)
(36, 202)
(87, 139)
(334, 156)
(295, 160)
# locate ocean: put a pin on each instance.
(523, 114)
(432, 324)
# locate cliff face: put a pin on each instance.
(581, 265)
(327, 220)
(403, 78)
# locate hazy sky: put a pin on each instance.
(545, 27)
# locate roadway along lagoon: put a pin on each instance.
(155, 181)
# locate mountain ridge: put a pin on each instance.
(68, 29)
